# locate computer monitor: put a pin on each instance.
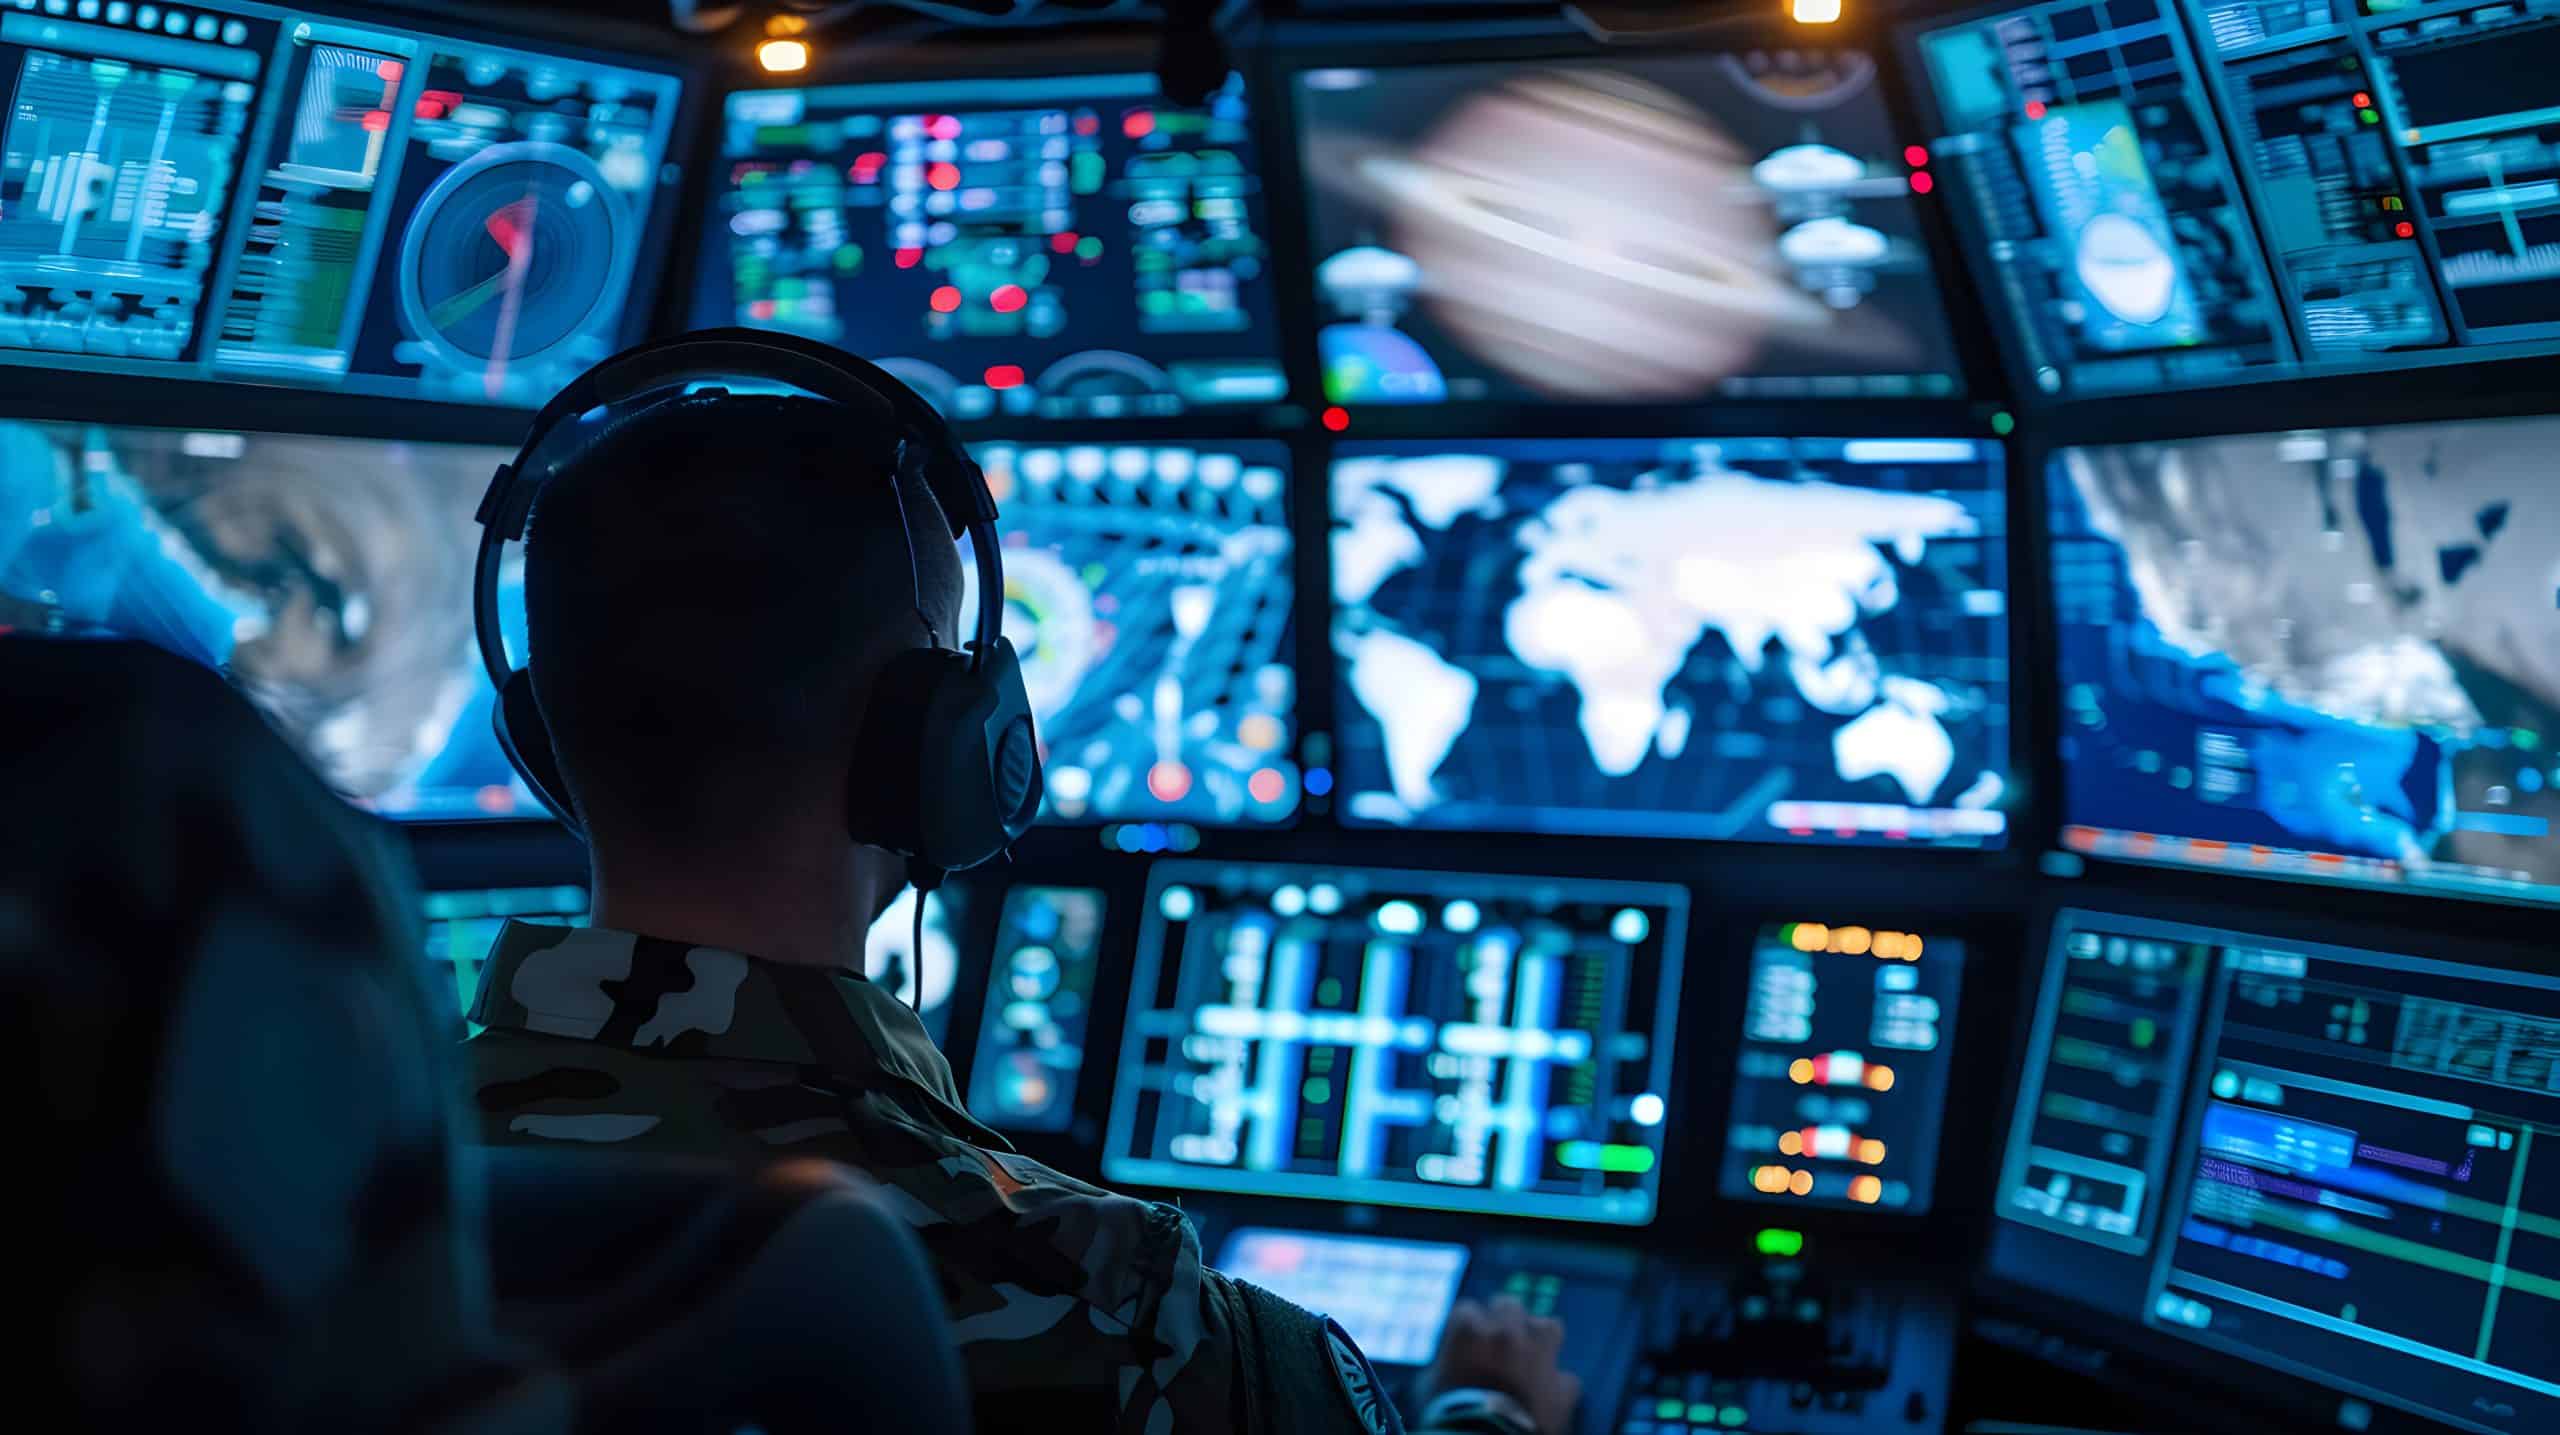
(463, 926)
(2319, 654)
(1148, 589)
(1635, 229)
(1465, 1043)
(250, 193)
(1392, 1297)
(330, 578)
(923, 978)
(2357, 1199)
(1840, 1080)
(1782, 640)
(1031, 1037)
(2164, 193)
(1063, 247)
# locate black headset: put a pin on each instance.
(946, 768)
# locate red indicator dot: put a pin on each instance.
(2035, 109)
(376, 121)
(1337, 418)
(1169, 781)
(908, 258)
(945, 299)
(943, 127)
(1921, 183)
(1138, 124)
(2363, 101)
(1063, 242)
(388, 71)
(944, 175)
(762, 310)
(428, 109)
(1266, 785)
(1916, 156)
(1008, 298)
(2405, 230)
(1088, 125)
(1004, 376)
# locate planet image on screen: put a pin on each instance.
(1592, 236)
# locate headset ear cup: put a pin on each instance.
(526, 740)
(892, 778)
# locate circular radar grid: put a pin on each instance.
(511, 255)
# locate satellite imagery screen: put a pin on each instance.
(1756, 639)
(329, 578)
(1147, 590)
(1645, 229)
(2316, 654)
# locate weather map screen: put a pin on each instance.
(1644, 230)
(2331, 655)
(252, 194)
(2167, 192)
(1759, 639)
(1148, 590)
(1465, 1043)
(1039, 1001)
(1840, 1083)
(1066, 247)
(2366, 1192)
(329, 578)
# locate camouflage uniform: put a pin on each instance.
(1075, 1309)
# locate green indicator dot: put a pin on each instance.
(2003, 424)
(1317, 1091)
(1702, 1415)
(1668, 1410)
(1777, 1241)
(1732, 1415)
(2370, 117)
(2145, 1031)
(1088, 249)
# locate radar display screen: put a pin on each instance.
(329, 578)
(1840, 1084)
(2330, 655)
(251, 194)
(463, 926)
(2168, 193)
(1759, 639)
(1148, 591)
(1465, 1043)
(1039, 1004)
(2365, 1194)
(1065, 247)
(1638, 230)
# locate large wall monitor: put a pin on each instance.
(1067, 247)
(254, 194)
(2166, 192)
(1493, 1044)
(2323, 1161)
(1148, 589)
(2332, 655)
(1760, 639)
(330, 578)
(1638, 229)
(1840, 1079)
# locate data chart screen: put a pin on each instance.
(1840, 1080)
(2366, 1194)
(2325, 654)
(1493, 1044)
(254, 194)
(1778, 640)
(2164, 193)
(1392, 1297)
(2097, 1108)
(1031, 1040)
(1645, 229)
(1067, 247)
(330, 579)
(1148, 591)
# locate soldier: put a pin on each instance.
(708, 593)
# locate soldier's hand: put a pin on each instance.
(1505, 1348)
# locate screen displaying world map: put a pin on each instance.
(1753, 639)
(2321, 654)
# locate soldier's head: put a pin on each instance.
(709, 593)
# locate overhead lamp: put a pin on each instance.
(783, 51)
(1814, 12)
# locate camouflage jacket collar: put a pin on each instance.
(650, 994)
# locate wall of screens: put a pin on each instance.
(262, 195)
(2168, 193)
